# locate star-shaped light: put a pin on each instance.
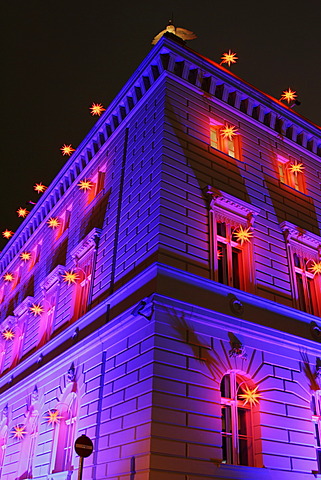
(8, 334)
(228, 131)
(25, 256)
(7, 234)
(67, 149)
(8, 277)
(97, 109)
(219, 254)
(251, 396)
(288, 95)
(85, 185)
(53, 417)
(53, 222)
(36, 309)
(70, 277)
(296, 167)
(19, 431)
(316, 267)
(243, 234)
(22, 212)
(39, 187)
(229, 58)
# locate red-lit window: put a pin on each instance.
(229, 145)
(291, 173)
(230, 269)
(305, 283)
(98, 183)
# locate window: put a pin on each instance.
(237, 424)
(291, 173)
(231, 225)
(303, 254)
(227, 141)
(316, 418)
(98, 183)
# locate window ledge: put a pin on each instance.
(66, 475)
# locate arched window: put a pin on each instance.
(237, 419)
(316, 417)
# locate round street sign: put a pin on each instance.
(84, 446)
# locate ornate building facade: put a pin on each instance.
(169, 307)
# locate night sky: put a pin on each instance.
(59, 57)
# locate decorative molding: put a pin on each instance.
(88, 243)
(23, 307)
(294, 233)
(54, 277)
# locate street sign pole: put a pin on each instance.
(81, 466)
(84, 448)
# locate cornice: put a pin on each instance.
(293, 232)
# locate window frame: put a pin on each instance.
(232, 148)
(295, 181)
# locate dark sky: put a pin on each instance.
(59, 57)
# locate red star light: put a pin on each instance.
(39, 187)
(243, 234)
(53, 417)
(228, 131)
(7, 234)
(85, 185)
(288, 95)
(22, 212)
(70, 277)
(229, 58)
(19, 431)
(36, 309)
(25, 256)
(8, 334)
(53, 222)
(250, 396)
(8, 277)
(67, 149)
(97, 109)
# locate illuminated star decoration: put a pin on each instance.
(67, 149)
(22, 212)
(7, 234)
(228, 131)
(53, 417)
(219, 254)
(8, 334)
(8, 277)
(229, 58)
(53, 222)
(70, 277)
(97, 109)
(39, 187)
(288, 95)
(316, 267)
(85, 185)
(25, 256)
(19, 431)
(296, 167)
(36, 309)
(243, 234)
(250, 396)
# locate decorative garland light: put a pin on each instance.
(288, 95)
(53, 222)
(97, 109)
(22, 212)
(8, 334)
(243, 234)
(39, 187)
(7, 233)
(36, 309)
(250, 396)
(52, 417)
(229, 58)
(19, 431)
(8, 277)
(25, 256)
(228, 131)
(70, 277)
(67, 149)
(85, 185)
(296, 167)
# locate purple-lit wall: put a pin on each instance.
(132, 354)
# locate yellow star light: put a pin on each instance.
(250, 396)
(36, 309)
(70, 277)
(39, 187)
(296, 168)
(288, 95)
(229, 58)
(8, 334)
(243, 234)
(7, 234)
(22, 212)
(228, 131)
(25, 256)
(67, 149)
(53, 222)
(19, 431)
(97, 109)
(316, 267)
(8, 277)
(53, 417)
(85, 185)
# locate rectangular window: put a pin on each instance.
(227, 142)
(306, 288)
(229, 254)
(291, 173)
